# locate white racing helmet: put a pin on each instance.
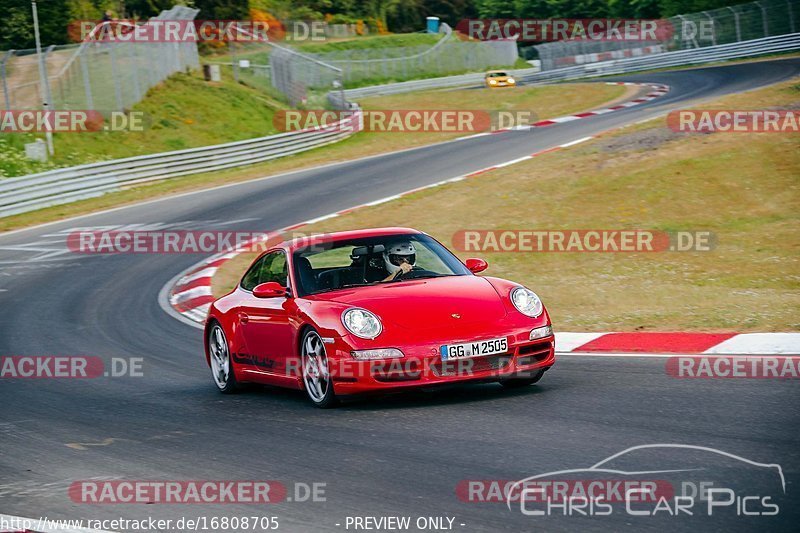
(397, 253)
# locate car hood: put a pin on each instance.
(428, 303)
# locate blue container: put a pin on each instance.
(433, 24)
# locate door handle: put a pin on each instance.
(243, 318)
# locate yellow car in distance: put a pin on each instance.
(499, 78)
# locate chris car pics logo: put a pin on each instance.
(657, 480)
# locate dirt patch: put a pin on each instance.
(649, 139)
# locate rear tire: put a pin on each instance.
(219, 357)
(516, 383)
(317, 380)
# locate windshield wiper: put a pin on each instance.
(424, 276)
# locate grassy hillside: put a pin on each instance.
(376, 41)
(548, 101)
(183, 112)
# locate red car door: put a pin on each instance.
(265, 323)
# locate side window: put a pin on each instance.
(271, 267)
(250, 279)
(275, 269)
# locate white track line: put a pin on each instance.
(167, 296)
(771, 343)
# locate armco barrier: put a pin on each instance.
(27, 193)
(429, 83)
(694, 56)
(35, 191)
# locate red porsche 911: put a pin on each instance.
(374, 311)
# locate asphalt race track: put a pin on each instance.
(399, 455)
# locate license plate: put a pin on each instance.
(450, 352)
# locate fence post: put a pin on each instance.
(135, 68)
(46, 80)
(5, 81)
(115, 75)
(713, 28)
(153, 64)
(763, 18)
(791, 15)
(736, 20)
(234, 63)
(683, 32)
(87, 84)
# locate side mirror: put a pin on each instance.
(476, 265)
(270, 289)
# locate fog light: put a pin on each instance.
(540, 333)
(382, 353)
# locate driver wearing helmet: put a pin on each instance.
(399, 259)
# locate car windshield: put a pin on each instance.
(497, 74)
(367, 261)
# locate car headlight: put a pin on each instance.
(511, 80)
(362, 323)
(526, 302)
(381, 353)
(492, 82)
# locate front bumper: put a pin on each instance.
(500, 84)
(524, 358)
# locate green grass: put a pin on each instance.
(551, 101)
(742, 187)
(371, 42)
(183, 112)
(259, 53)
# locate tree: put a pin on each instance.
(222, 9)
(16, 25)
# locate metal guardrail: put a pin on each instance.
(60, 186)
(695, 56)
(428, 83)
(733, 23)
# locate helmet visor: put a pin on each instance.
(398, 259)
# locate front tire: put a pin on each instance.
(316, 374)
(516, 383)
(220, 359)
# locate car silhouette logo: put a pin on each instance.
(455, 315)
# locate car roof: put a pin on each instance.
(496, 72)
(302, 242)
